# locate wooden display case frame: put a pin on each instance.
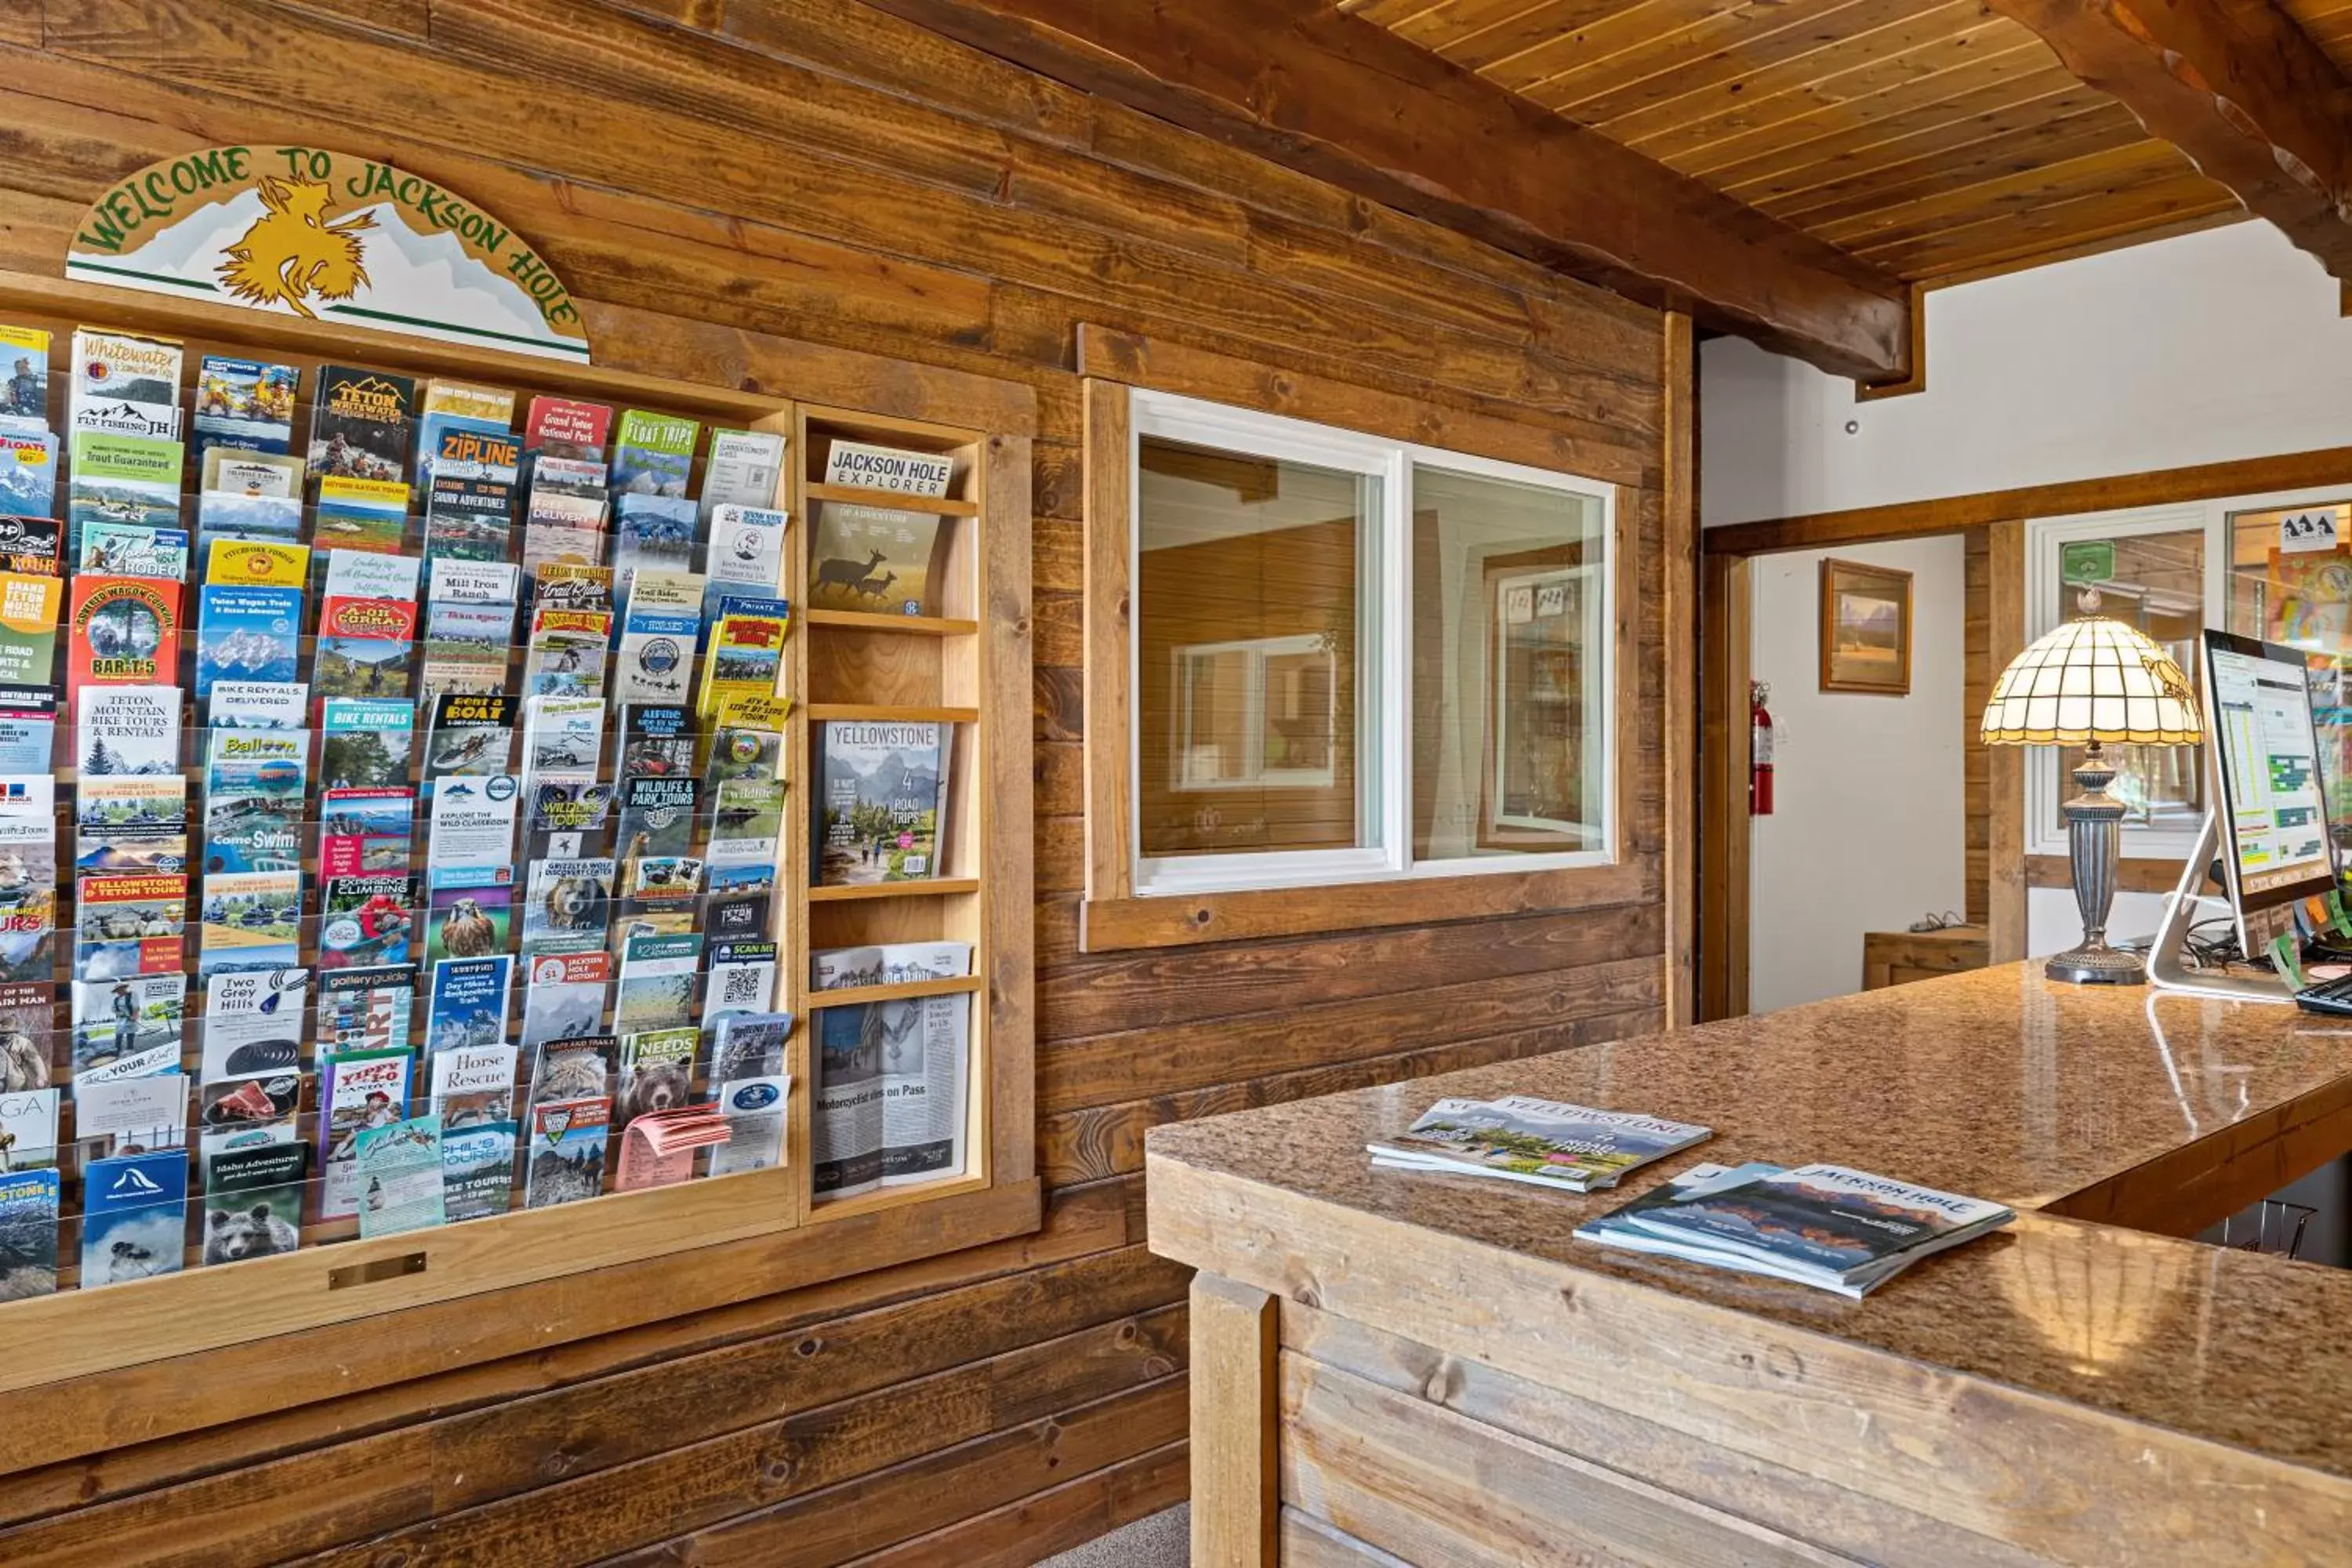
(668, 1251)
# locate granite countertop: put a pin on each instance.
(1996, 1084)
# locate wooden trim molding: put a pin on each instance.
(1916, 381)
(2005, 766)
(1132, 360)
(1113, 917)
(1679, 508)
(1109, 714)
(1949, 514)
(1724, 754)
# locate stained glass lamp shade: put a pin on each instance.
(2094, 682)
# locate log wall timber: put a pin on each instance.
(1308, 85)
(818, 170)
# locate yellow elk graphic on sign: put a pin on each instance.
(293, 252)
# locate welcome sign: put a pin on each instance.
(303, 231)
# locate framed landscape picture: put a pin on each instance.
(1865, 628)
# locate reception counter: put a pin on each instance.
(1396, 1367)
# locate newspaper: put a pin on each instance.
(890, 1101)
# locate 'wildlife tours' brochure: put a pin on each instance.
(358, 1091)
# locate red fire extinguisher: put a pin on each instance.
(1760, 743)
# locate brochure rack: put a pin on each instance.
(710, 1241)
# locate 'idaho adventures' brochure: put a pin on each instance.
(252, 1200)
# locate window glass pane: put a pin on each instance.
(2155, 582)
(1255, 675)
(2302, 598)
(1510, 655)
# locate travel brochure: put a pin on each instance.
(1825, 1227)
(432, 735)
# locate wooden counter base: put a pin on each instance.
(1391, 1368)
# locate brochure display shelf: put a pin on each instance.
(961, 665)
(920, 665)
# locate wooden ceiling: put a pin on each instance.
(1930, 138)
(2329, 24)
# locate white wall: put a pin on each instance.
(2227, 343)
(2224, 345)
(1866, 833)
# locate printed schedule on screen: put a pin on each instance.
(2270, 764)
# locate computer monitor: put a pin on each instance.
(2275, 847)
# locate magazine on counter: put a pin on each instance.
(1544, 1142)
(1823, 1226)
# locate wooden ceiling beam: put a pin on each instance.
(1329, 93)
(2237, 86)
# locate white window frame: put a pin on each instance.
(1384, 753)
(1255, 773)
(2045, 599)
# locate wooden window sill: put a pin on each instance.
(1116, 924)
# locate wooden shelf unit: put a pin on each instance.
(856, 666)
(708, 1242)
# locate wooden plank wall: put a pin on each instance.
(812, 168)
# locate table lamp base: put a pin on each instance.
(2096, 964)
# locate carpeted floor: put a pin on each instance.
(1162, 1541)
